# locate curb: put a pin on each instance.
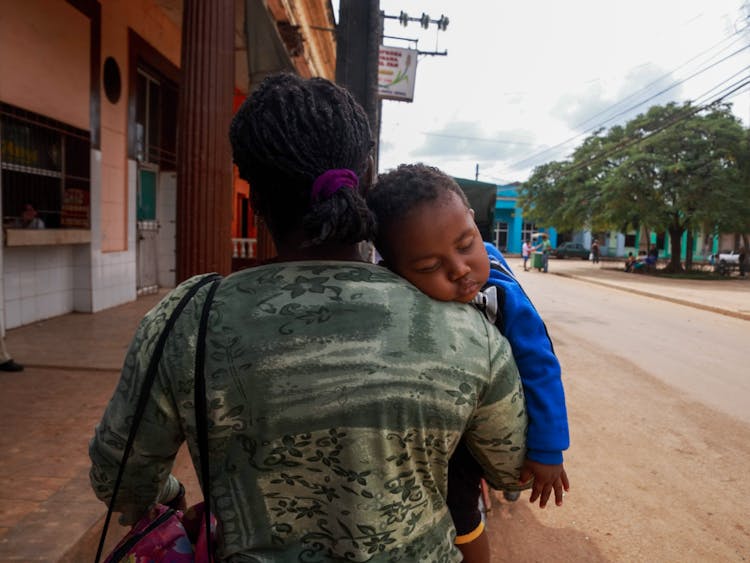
(693, 304)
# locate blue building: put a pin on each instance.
(498, 216)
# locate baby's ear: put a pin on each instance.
(472, 212)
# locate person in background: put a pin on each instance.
(742, 260)
(595, 251)
(427, 235)
(546, 248)
(30, 218)
(6, 362)
(526, 253)
(629, 263)
(337, 391)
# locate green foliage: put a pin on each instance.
(673, 167)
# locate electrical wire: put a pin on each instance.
(462, 137)
(523, 162)
(687, 112)
(653, 83)
(737, 35)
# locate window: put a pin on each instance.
(155, 120)
(45, 163)
(527, 230)
(501, 236)
(630, 240)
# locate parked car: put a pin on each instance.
(571, 250)
(726, 261)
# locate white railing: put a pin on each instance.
(243, 247)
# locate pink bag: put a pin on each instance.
(167, 535)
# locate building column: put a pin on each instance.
(204, 161)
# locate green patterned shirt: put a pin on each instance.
(337, 393)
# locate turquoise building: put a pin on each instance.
(498, 217)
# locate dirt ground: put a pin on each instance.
(654, 476)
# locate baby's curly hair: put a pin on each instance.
(398, 192)
(286, 134)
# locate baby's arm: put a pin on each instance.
(539, 369)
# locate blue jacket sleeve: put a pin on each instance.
(538, 366)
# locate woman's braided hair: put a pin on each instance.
(286, 134)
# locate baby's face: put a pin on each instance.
(439, 249)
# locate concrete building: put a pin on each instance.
(96, 99)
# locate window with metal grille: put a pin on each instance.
(44, 163)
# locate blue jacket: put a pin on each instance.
(519, 321)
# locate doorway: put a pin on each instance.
(147, 231)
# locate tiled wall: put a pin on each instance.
(113, 276)
(39, 283)
(46, 281)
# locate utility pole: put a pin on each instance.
(357, 46)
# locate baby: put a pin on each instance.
(427, 235)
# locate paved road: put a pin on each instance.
(660, 427)
(696, 352)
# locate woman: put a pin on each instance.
(337, 392)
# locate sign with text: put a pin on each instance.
(397, 71)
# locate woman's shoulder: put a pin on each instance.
(274, 274)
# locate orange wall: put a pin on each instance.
(44, 59)
(146, 19)
(241, 188)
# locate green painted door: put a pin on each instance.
(146, 194)
(147, 231)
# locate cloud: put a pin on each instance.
(468, 140)
(642, 87)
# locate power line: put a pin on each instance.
(463, 137)
(725, 94)
(521, 163)
(648, 86)
(688, 112)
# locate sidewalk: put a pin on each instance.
(47, 510)
(49, 412)
(730, 296)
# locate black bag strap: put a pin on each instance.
(148, 381)
(201, 410)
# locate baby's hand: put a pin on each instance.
(546, 479)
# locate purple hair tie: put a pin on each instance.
(331, 181)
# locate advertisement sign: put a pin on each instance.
(75, 208)
(397, 71)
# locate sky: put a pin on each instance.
(525, 82)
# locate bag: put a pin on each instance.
(164, 534)
(591, 255)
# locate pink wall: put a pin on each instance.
(44, 59)
(44, 67)
(146, 19)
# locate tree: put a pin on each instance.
(544, 196)
(669, 169)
